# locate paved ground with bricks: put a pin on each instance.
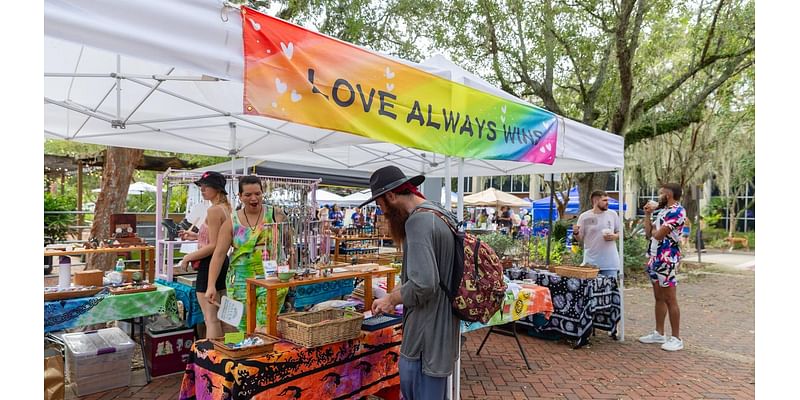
(718, 327)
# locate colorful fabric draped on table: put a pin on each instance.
(104, 307)
(345, 370)
(519, 303)
(249, 244)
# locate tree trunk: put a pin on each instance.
(120, 164)
(589, 182)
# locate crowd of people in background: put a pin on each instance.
(341, 217)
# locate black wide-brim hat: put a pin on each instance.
(213, 179)
(386, 179)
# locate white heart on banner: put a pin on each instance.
(390, 86)
(542, 150)
(503, 109)
(255, 24)
(296, 96)
(288, 49)
(548, 146)
(280, 86)
(389, 73)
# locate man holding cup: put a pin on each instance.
(598, 229)
(665, 254)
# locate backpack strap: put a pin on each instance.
(441, 217)
(438, 214)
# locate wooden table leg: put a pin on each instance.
(151, 264)
(389, 282)
(368, 293)
(142, 261)
(251, 307)
(272, 312)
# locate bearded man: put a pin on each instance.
(598, 229)
(430, 329)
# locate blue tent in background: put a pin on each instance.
(541, 206)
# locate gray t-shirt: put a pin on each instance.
(430, 329)
(596, 250)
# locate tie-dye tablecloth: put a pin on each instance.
(344, 370)
(518, 304)
(104, 307)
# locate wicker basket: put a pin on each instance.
(92, 277)
(269, 343)
(314, 329)
(574, 271)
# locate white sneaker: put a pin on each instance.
(673, 344)
(654, 337)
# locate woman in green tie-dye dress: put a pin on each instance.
(246, 232)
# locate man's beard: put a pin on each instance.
(602, 207)
(662, 202)
(397, 222)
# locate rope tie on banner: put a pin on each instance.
(223, 12)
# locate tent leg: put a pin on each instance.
(621, 275)
(447, 184)
(454, 382)
(550, 216)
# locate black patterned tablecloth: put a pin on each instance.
(579, 304)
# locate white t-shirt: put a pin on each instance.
(596, 250)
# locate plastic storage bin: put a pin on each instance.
(99, 360)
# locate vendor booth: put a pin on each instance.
(208, 85)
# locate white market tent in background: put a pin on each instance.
(324, 196)
(167, 75)
(492, 197)
(136, 188)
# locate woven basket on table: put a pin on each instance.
(574, 271)
(317, 328)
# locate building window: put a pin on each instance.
(467, 184)
(509, 183)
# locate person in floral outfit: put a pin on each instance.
(664, 251)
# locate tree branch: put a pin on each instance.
(642, 106)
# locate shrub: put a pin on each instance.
(499, 242)
(56, 226)
(539, 251)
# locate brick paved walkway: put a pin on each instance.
(718, 324)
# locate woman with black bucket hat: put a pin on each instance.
(212, 187)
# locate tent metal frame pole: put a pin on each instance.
(119, 94)
(550, 216)
(147, 96)
(77, 109)
(223, 112)
(448, 184)
(621, 275)
(454, 382)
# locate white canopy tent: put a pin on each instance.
(494, 198)
(167, 75)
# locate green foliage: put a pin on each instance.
(560, 229)
(714, 211)
(635, 253)
(56, 226)
(539, 251)
(499, 242)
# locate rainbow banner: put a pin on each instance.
(305, 77)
